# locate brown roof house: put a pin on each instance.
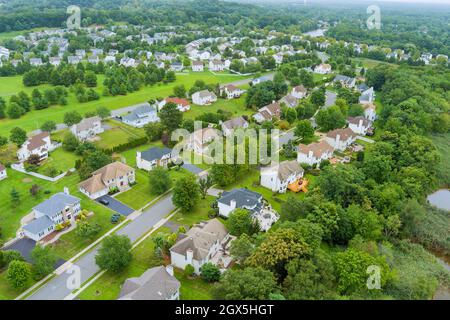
(341, 139)
(268, 112)
(278, 176)
(156, 283)
(200, 140)
(314, 153)
(359, 125)
(116, 175)
(236, 123)
(231, 91)
(39, 144)
(205, 242)
(299, 92)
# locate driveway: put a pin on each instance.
(24, 246)
(192, 168)
(116, 205)
(56, 288)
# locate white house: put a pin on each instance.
(248, 200)
(359, 125)
(114, 175)
(73, 59)
(4, 53)
(299, 92)
(314, 153)
(39, 144)
(182, 104)
(3, 174)
(204, 97)
(59, 208)
(200, 140)
(267, 113)
(203, 243)
(231, 91)
(323, 68)
(157, 283)
(289, 100)
(54, 61)
(341, 139)
(278, 176)
(370, 112)
(216, 65)
(153, 157)
(197, 66)
(236, 123)
(141, 115)
(87, 128)
(176, 66)
(367, 94)
(36, 62)
(346, 82)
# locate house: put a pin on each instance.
(370, 111)
(289, 100)
(323, 68)
(346, 82)
(314, 153)
(182, 104)
(197, 66)
(80, 53)
(229, 126)
(359, 125)
(94, 59)
(109, 59)
(3, 174)
(216, 65)
(231, 91)
(267, 113)
(87, 128)
(367, 94)
(205, 242)
(299, 92)
(199, 140)
(157, 283)
(176, 66)
(59, 208)
(39, 144)
(260, 80)
(341, 139)
(278, 176)
(204, 97)
(141, 115)
(73, 59)
(251, 201)
(116, 175)
(36, 62)
(54, 61)
(153, 157)
(128, 62)
(4, 53)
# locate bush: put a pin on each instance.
(210, 272)
(11, 255)
(189, 270)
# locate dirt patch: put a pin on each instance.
(27, 180)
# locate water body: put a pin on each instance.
(440, 199)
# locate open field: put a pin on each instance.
(119, 133)
(34, 119)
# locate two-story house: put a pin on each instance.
(277, 177)
(341, 139)
(359, 125)
(229, 126)
(114, 175)
(182, 104)
(204, 97)
(39, 144)
(314, 153)
(59, 208)
(197, 66)
(199, 140)
(153, 157)
(216, 65)
(267, 113)
(231, 91)
(299, 92)
(323, 68)
(87, 128)
(141, 115)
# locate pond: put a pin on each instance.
(440, 199)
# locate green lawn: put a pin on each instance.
(119, 133)
(235, 106)
(193, 289)
(33, 119)
(59, 159)
(9, 293)
(199, 213)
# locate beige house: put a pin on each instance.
(200, 140)
(114, 175)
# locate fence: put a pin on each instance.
(20, 168)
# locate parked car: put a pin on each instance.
(104, 202)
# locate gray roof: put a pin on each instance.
(155, 153)
(141, 109)
(39, 224)
(286, 168)
(154, 284)
(56, 204)
(244, 198)
(344, 79)
(86, 124)
(234, 123)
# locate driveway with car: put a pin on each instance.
(115, 205)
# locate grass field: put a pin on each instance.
(60, 160)
(119, 133)
(235, 106)
(33, 119)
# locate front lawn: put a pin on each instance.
(193, 289)
(199, 213)
(9, 293)
(58, 160)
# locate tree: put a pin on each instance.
(3, 141)
(179, 91)
(18, 274)
(240, 221)
(114, 254)
(90, 79)
(70, 142)
(210, 272)
(163, 242)
(85, 230)
(186, 193)
(204, 184)
(18, 136)
(242, 248)
(171, 117)
(159, 180)
(15, 197)
(304, 130)
(103, 112)
(14, 111)
(44, 260)
(279, 85)
(247, 284)
(71, 118)
(318, 97)
(154, 130)
(330, 118)
(48, 126)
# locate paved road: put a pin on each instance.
(246, 81)
(56, 289)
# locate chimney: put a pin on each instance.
(169, 269)
(66, 191)
(338, 138)
(233, 204)
(360, 124)
(189, 255)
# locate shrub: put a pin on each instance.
(189, 270)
